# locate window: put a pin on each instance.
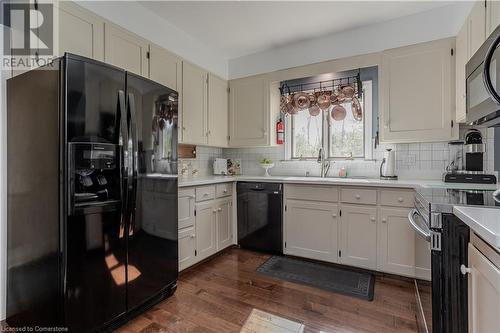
(346, 138)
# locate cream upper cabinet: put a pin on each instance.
(80, 31)
(250, 113)
(417, 93)
(358, 236)
(194, 104)
(217, 111)
(476, 22)
(461, 58)
(492, 15)
(125, 50)
(165, 67)
(224, 223)
(396, 242)
(483, 293)
(311, 230)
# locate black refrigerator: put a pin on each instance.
(92, 195)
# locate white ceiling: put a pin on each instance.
(238, 28)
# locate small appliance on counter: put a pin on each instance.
(220, 166)
(468, 169)
(388, 166)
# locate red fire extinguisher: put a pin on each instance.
(280, 132)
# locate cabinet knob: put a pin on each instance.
(219, 209)
(400, 200)
(384, 221)
(205, 194)
(214, 211)
(334, 215)
(192, 197)
(183, 128)
(372, 219)
(465, 270)
(358, 196)
(192, 235)
(225, 191)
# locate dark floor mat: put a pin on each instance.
(340, 280)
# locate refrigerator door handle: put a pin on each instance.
(134, 160)
(123, 144)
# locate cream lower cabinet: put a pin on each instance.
(358, 230)
(484, 292)
(206, 230)
(205, 222)
(224, 223)
(311, 230)
(396, 239)
(417, 91)
(187, 247)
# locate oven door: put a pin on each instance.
(483, 83)
(423, 289)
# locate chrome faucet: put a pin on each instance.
(325, 163)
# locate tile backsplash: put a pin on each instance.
(413, 160)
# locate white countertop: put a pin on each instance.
(402, 183)
(485, 222)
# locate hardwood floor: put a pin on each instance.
(219, 295)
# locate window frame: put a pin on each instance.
(367, 131)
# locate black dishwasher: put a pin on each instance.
(260, 216)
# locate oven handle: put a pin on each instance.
(486, 71)
(425, 234)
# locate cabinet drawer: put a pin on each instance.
(398, 198)
(223, 190)
(312, 192)
(205, 193)
(359, 196)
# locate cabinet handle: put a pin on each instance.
(384, 221)
(400, 200)
(465, 270)
(372, 219)
(205, 194)
(358, 196)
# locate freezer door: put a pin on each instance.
(152, 222)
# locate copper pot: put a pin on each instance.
(301, 100)
(291, 108)
(348, 91)
(323, 101)
(338, 112)
(357, 112)
(314, 110)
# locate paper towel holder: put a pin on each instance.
(384, 161)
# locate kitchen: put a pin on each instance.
(232, 183)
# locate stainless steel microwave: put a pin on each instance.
(482, 74)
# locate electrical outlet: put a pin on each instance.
(412, 159)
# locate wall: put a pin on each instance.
(431, 25)
(413, 161)
(145, 23)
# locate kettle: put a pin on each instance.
(387, 168)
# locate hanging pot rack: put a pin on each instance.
(333, 84)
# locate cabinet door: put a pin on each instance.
(311, 230)
(476, 22)
(492, 15)
(187, 247)
(194, 104)
(205, 230)
(396, 242)
(484, 293)
(417, 93)
(186, 208)
(224, 224)
(217, 111)
(249, 114)
(462, 56)
(125, 50)
(80, 31)
(165, 67)
(422, 258)
(358, 235)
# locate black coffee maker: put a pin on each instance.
(472, 169)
